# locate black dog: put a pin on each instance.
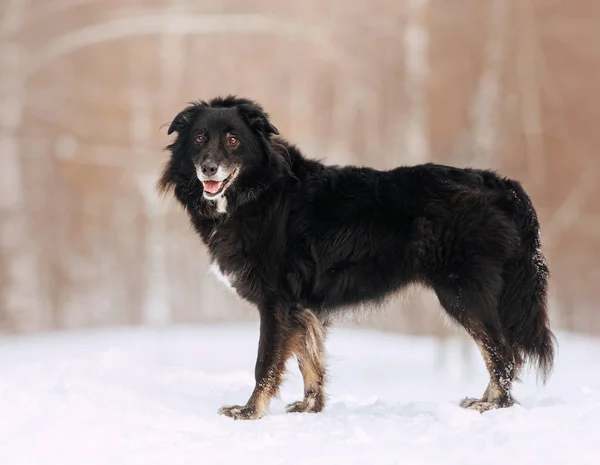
(304, 241)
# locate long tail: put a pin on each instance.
(523, 304)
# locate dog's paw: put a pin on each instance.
(483, 405)
(476, 404)
(240, 412)
(309, 405)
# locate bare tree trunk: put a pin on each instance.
(22, 300)
(416, 132)
(531, 111)
(155, 305)
(487, 105)
(416, 65)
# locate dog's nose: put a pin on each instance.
(209, 168)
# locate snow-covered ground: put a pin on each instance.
(142, 396)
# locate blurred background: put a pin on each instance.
(86, 87)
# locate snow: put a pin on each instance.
(150, 396)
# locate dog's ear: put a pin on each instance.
(257, 119)
(183, 119)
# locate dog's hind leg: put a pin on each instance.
(501, 366)
(480, 318)
(308, 344)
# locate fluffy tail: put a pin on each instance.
(523, 304)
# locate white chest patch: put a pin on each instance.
(222, 204)
(227, 280)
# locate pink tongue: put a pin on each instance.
(212, 186)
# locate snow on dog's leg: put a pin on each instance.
(309, 347)
(501, 366)
(477, 312)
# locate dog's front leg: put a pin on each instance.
(273, 352)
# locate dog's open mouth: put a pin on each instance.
(214, 188)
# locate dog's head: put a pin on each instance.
(221, 142)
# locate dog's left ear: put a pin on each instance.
(183, 119)
(257, 119)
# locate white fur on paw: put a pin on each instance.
(239, 412)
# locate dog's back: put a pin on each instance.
(470, 235)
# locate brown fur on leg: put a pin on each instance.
(502, 367)
(274, 349)
(308, 344)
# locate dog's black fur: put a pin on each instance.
(300, 239)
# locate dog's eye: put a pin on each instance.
(199, 139)
(232, 140)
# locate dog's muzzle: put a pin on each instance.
(215, 179)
